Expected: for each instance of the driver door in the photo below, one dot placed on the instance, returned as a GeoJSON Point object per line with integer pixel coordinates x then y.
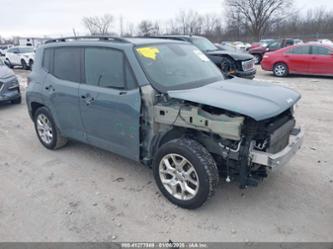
{"type": "Point", "coordinates": [110, 102]}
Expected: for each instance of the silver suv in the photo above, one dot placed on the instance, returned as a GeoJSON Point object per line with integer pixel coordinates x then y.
{"type": "Point", "coordinates": [165, 104]}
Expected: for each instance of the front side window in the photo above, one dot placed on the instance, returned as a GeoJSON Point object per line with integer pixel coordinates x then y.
{"type": "Point", "coordinates": [67, 64]}
{"type": "Point", "coordinates": [173, 66]}
{"type": "Point", "coordinates": [104, 67]}
{"type": "Point", "coordinates": [299, 50]}
{"type": "Point", "coordinates": [317, 50]}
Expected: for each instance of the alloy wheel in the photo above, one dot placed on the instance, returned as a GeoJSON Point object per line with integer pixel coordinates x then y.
{"type": "Point", "coordinates": [280, 70]}
{"type": "Point", "coordinates": [44, 129]}
{"type": "Point", "coordinates": [179, 177]}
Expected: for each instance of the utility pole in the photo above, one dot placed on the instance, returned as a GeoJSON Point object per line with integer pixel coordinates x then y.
{"type": "Point", "coordinates": [121, 23]}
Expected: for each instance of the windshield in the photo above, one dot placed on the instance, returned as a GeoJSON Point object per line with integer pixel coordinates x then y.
{"type": "Point", "coordinates": [175, 66]}
{"type": "Point", "coordinates": [26, 50]}
{"type": "Point", "coordinates": [203, 44]}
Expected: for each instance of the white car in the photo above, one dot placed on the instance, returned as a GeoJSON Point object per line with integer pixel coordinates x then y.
{"type": "Point", "coordinates": [20, 56]}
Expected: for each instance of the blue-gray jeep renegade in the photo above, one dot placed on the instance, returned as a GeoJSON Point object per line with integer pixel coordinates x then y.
{"type": "Point", "coordinates": [165, 104]}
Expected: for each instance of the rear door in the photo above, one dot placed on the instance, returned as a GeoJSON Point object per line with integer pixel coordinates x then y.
{"type": "Point", "coordinates": [61, 88]}
{"type": "Point", "coordinates": [322, 60]}
{"type": "Point", "coordinates": [110, 102]}
{"type": "Point", "coordinates": [299, 59]}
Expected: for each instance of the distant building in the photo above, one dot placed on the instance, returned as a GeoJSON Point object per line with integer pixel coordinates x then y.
{"type": "Point", "coordinates": [29, 41]}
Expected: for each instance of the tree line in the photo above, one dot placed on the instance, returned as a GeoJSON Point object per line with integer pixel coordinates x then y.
{"type": "Point", "coordinates": [242, 20]}
{"type": "Point", "coordinates": [245, 20]}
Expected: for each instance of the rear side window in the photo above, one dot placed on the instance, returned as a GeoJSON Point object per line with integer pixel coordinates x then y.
{"type": "Point", "coordinates": [48, 59]}
{"type": "Point", "coordinates": [107, 67]}
{"type": "Point", "coordinates": [67, 64]}
{"type": "Point", "coordinates": [317, 50]}
{"type": "Point", "coordinates": [299, 50]}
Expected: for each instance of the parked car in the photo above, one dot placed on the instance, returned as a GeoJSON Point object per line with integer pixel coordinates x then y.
{"type": "Point", "coordinates": [241, 45]}
{"type": "Point", "coordinates": [259, 52]}
{"type": "Point", "coordinates": [3, 49]}
{"type": "Point", "coordinates": [165, 104]}
{"type": "Point", "coordinates": [325, 41]}
{"type": "Point", "coordinates": [20, 56]}
{"type": "Point", "coordinates": [262, 43]}
{"type": "Point", "coordinates": [231, 63]}
{"type": "Point", "coordinates": [226, 47]}
{"type": "Point", "coordinates": [314, 59]}
{"type": "Point", "coordinates": [9, 85]}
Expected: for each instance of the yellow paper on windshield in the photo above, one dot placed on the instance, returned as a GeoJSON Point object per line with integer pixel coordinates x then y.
{"type": "Point", "coordinates": [148, 52]}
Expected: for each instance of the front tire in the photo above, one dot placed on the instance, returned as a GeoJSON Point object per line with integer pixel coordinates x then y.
{"type": "Point", "coordinates": [47, 132]}
{"type": "Point", "coordinates": [185, 172]}
{"type": "Point", "coordinates": [280, 70]}
{"type": "Point", "coordinates": [227, 66]}
{"type": "Point", "coordinates": [24, 65]}
{"type": "Point", "coordinates": [17, 101]}
{"type": "Point", "coordinates": [31, 63]}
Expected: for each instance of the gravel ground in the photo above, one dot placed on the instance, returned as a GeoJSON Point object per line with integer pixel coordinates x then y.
{"type": "Point", "coordinates": [81, 193]}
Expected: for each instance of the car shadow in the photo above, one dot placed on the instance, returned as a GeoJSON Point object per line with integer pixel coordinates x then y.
{"type": "Point", "coordinates": [7, 105]}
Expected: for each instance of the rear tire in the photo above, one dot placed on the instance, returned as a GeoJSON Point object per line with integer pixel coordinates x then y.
{"type": "Point", "coordinates": [7, 62]}
{"type": "Point", "coordinates": [47, 132]}
{"type": "Point", "coordinates": [280, 70]}
{"type": "Point", "coordinates": [185, 172]}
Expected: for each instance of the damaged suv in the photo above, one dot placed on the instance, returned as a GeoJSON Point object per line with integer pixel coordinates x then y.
{"type": "Point", "coordinates": [165, 104]}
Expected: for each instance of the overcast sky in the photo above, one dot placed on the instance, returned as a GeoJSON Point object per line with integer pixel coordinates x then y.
{"type": "Point", "coordinates": [59, 17]}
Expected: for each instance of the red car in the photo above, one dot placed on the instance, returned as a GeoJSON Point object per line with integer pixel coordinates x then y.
{"type": "Point", "coordinates": [310, 59]}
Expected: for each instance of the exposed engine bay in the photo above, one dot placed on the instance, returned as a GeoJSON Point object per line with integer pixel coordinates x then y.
{"type": "Point", "coordinates": [189, 116]}
{"type": "Point", "coordinates": [234, 140]}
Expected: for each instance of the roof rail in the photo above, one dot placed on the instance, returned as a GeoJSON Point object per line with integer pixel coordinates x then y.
{"type": "Point", "coordinates": [101, 38]}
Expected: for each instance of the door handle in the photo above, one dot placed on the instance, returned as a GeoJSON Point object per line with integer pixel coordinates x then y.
{"type": "Point", "coordinates": [88, 99]}
{"type": "Point", "coordinates": [49, 88]}
{"type": "Point", "coordinates": [122, 93]}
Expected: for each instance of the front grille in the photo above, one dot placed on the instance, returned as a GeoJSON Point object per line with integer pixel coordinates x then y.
{"type": "Point", "coordinates": [247, 65]}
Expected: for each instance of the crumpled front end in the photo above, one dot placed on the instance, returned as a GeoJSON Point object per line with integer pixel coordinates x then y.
{"type": "Point", "coordinates": [9, 89]}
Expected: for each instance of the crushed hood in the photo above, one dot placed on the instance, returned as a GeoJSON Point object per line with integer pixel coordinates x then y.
{"type": "Point", "coordinates": [238, 56]}
{"type": "Point", "coordinates": [5, 72]}
{"type": "Point", "coordinates": [257, 100]}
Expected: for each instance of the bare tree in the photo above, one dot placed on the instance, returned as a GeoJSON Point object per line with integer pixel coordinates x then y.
{"type": "Point", "coordinates": [99, 25]}
{"type": "Point", "coordinates": [148, 28]}
{"type": "Point", "coordinates": [189, 22]}
{"type": "Point", "coordinates": [258, 15]}
{"type": "Point", "coordinates": [129, 30]}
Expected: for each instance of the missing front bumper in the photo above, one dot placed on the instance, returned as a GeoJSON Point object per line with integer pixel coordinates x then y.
{"type": "Point", "coordinates": [282, 157]}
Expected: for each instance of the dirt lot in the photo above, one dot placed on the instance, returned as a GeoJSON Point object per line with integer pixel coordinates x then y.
{"type": "Point", "coordinates": [81, 193]}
